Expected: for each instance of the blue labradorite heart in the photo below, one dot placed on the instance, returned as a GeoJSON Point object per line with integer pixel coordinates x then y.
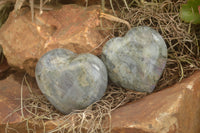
{"type": "Point", "coordinates": [136, 61]}
{"type": "Point", "coordinates": [71, 81]}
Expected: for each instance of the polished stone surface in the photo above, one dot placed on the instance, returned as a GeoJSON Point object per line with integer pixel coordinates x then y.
{"type": "Point", "coordinates": [136, 61]}
{"type": "Point", "coordinates": [71, 81]}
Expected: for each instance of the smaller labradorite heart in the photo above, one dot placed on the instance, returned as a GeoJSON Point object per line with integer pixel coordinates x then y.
{"type": "Point", "coordinates": [136, 61]}
{"type": "Point", "coordinates": [71, 81]}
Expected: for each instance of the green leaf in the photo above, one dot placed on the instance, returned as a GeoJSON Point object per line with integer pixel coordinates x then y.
{"type": "Point", "coordinates": [189, 12]}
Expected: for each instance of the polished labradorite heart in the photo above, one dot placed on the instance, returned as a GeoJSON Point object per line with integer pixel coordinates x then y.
{"type": "Point", "coordinates": [136, 61]}
{"type": "Point", "coordinates": [71, 81]}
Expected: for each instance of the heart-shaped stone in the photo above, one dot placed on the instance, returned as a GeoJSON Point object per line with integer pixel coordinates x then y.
{"type": "Point", "coordinates": [136, 61]}
{"type": "Point", "coordinates": [71, 81]}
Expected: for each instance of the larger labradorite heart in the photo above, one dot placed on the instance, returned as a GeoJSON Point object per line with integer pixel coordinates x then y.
{"type": "Point", "coordinates": [71, 81]}
{"type": "Point", "coordinates": [136, 61]}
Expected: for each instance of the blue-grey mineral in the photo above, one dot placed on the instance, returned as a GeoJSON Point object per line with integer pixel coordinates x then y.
{"type": "Point", "coordinates": [71, 81]}
{"type": "Point", "coordinates": [136, 61]}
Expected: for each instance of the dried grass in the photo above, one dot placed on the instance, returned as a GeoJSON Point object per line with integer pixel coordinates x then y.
{"type": "Point", "coordinates": [182, 39]}
{"type": "Point", "coordinates": [183, 59]}
{"type": "Point", "coordinates": [95, 118]}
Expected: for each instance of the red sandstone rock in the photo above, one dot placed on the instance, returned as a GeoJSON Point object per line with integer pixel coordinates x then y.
{"type": "Point", "coordinates": [11, 120]}
{"type": "Point", "coordinates": [172, 110]}
{"type": "Point", "coordinates": [72, 27]}
{"type": "Point", "coordinates": [10, 96]}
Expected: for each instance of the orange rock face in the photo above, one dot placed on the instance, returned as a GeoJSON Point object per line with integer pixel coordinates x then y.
{"type": "Point", "coordinates": [72, 27]}
{"type": "Point", "coordinates": [11, 90]}
{"type": "Point", "coordinates": [10, 95]}
{"type": "Point", "coordinates": [172, 110]}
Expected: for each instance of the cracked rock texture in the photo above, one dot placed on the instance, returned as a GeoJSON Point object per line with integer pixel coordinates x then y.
{"type": "Point", "coordinates": [72, 27]}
